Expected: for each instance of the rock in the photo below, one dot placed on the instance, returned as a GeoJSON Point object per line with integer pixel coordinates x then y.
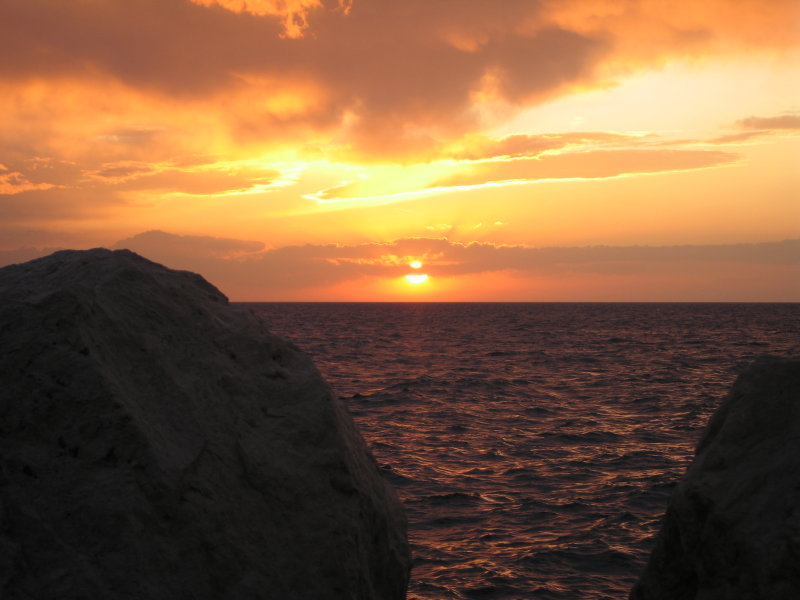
{"type": "Point", "coordinates": [157, 442]}
{"type": "Point", "coordinates": [732, 526]}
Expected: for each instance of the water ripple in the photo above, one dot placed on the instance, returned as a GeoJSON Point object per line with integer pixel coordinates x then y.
{"type": "Point", "coordinates": [534, 445]}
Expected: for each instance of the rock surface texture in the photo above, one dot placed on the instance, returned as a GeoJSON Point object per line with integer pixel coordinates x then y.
{"type": "Point", "coordinates": [157, 442]}
{"type": "Point", "coordinates": [732, 527]}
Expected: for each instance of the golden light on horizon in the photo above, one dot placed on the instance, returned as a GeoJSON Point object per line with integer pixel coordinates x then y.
{"type": "Point", "coordinates": [320, 174]}
{"type": "Point", "coordinates": [417, 279]}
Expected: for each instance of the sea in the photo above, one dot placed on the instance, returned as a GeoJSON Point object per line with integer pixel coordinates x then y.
{"type": "Point", "coordinates": [534, 446]}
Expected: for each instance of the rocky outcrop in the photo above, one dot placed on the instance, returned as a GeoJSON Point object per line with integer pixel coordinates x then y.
{"type": "Point", "coordinates": [157, 442]}
{"type": "Point", "coordinates": [732, 527]}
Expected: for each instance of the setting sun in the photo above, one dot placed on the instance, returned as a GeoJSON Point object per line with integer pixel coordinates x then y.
{"type": "Point", "coordinates": [503, 142]}
{"type": "Point", "coordinates": [523, 246]}
{"type": "Point", "coordinates": [417, 279]}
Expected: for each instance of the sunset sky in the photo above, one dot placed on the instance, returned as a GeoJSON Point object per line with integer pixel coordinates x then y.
{"type": "Point", "coordinates": [523, 150]}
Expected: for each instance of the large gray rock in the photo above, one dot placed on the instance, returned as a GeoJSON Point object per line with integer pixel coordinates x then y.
{"type": "Point", "coordinates": [732, 527]}
{"type": "Point", "coordinates": [156, 442]}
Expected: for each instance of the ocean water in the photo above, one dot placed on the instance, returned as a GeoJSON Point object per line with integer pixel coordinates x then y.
{"type": "Point", "coordinates": [533, 445]}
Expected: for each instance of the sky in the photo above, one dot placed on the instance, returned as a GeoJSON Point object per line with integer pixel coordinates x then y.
{"type": "Point", "coordinates": [419, 150]}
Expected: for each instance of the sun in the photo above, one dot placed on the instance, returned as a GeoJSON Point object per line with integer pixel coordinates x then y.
{"type": "Point", "coordinates": [417, 279]}
{"type": "Point", "coordinates": [415, 264]}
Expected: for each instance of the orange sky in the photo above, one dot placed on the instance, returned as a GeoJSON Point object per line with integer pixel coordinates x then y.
{"type": "Point", "coordinates": [311, 150]}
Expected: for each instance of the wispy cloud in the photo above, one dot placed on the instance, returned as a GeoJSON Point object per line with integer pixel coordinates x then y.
{"type": "Point", "coordinates": [791, 121]}
{"type": "Point", "coordinates": [14, 182]}
{"type": "Point", "coordinates": [207, 180]}
{"type": "Point", "coordinates": [524, 159]}
{"type": "Point", "coordinates": [587, 165]}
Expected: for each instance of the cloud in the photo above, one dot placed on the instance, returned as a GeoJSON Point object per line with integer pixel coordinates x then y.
{"type": "Point", "coordinates": [204, 180]}
{"type": "Point", "coordinates": [378, 64]}
{"type": "Point", "coordinates": [50, 190]}
{"type": "Point", "coordinates": [442, 228]}
{"type": "Point", "coordinates": [587, 165]}
{"type": "Point", "coordinates": [174, 247]}
{"type": "Point", "coordinates": [525, 161]}
{"type": "Point", "coordinates": [756, 128]}
{"type": "Point", "coordinates": [14, 182]}
{"type": "Point", "coordinates": [643, 30]}
{"type": "Point", "coordinates": [293, 13]}
{"type": "Point", "coordinates": [736, 138]}
{"type": "Point", "coordinates": [364, 75]}
{"type": "Point", "coordinates": [244, 270]}
{"type": "Point", "coordinates": [518, 146]}
{"type": "Point", "coordinates": [780, 122]}
{"type": "Point", "coordinates": [125, 102]}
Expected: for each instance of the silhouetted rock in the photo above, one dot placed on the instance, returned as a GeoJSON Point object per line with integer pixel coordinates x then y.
{"type": "Point", "coordinates": [157, 442]}
{"type": "Point", "coordinates": [732, 527]}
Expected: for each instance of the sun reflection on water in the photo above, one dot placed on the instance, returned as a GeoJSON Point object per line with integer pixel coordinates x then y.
{"type": "Point", "coordinates": [534, 446]}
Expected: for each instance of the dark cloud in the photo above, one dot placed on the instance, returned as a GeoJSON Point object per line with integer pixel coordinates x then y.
{"type": "Point", "coordinates": [240, 269]}
{"type": "Point", "coordinates": [243, 269]}
{"type": "Point", "coordinates": [172, 46]}
{"type": "Point", "coordinates": [389, 77]}
{"type": "Point", "coordinates": [382, 62]}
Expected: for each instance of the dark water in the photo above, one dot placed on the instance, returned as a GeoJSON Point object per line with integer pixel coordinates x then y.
{"type": "Point", "coordinates": [533, 445]}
